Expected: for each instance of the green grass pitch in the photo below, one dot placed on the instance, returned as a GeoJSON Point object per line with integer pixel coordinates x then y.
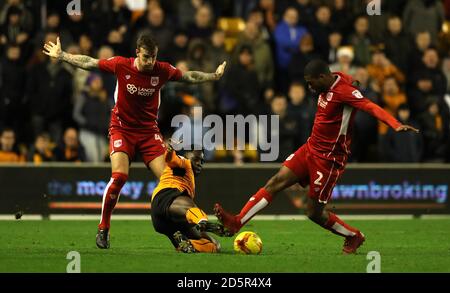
{"type": "Point", "coordinates": [288, 246]}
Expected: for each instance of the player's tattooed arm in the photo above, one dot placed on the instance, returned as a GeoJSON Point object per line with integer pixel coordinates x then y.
{"type": "Point", "coordinates": [54, 50]}
{"type": "Point", "coordinates": [82, 61]}
{"type": "Point", "coordinates": [198, 76]}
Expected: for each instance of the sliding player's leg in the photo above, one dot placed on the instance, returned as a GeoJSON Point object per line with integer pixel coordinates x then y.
{"type": "Point", "coordinates": [282, 180]}
{"type": "Point", "coordinates": [120, 168]}
{"type": "Point", "coordinates": [184, 210]}
{"type": "Point", "coordinates": [294, 170]}
{"type": "Point", "coordinates": [193, 223]}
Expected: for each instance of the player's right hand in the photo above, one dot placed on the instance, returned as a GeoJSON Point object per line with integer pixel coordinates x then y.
{"type": "Point", "coordinates": [220, 70]}
{"type": "Point", "coordinates": [53, 50]}
{"type": "Point", "coordinates": [406, 128]}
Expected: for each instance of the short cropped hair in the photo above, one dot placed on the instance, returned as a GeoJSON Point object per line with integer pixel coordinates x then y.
{"type": "Point", "coordinates": [147, 42]}
{"type": "Point", "coordinates": [316, 67]}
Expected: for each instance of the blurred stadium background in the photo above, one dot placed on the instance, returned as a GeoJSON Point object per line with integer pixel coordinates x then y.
{"type": "Point", "coordinates": [54, 121]}
{"type": "Point", "coordinates": [51, 112]}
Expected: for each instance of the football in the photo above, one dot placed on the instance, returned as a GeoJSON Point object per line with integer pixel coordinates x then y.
{"type": "Point", "coordinates": [248, 243]}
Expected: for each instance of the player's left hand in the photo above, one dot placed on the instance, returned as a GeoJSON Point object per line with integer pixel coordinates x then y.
{"type": "Point", "coordinates": [220, 70]}
{"type": "Point", "coordinates": [406, 128]}
{"type": "Point", "coordinates": [53, 50]}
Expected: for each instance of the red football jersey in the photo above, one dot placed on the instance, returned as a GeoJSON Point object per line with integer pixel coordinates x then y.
{"type": "Point", "coordinates": [332, 131]}
{"type": "Point", "coordinates": [137, 94]}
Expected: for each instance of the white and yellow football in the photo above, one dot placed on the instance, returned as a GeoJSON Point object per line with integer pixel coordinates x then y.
{"type": "Point", "coordinates": [248, 243]}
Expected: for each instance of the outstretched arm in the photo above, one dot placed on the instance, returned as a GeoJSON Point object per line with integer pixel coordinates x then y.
{"type": "Point", "coordinates": [82, 61]}
{"type": "Point", "coordinates": [358, 101]}
{"type": "Point", "coordinates": [198, 76]}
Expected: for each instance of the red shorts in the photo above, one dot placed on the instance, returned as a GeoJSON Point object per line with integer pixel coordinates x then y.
{"type": "Point", "coordinates": [321, 175]}
{"type": "Point", "coordinates": [149, 144]}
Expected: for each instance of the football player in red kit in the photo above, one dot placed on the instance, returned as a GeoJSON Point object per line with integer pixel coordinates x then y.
{"type": "Point", "coordinates": [133, 124]}
{"type": "Point", "coordinates": [321, 160]}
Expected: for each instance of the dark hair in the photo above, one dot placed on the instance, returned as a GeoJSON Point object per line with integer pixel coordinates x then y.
{"type": "Point", "coordinates": [147, 42]}
{"type": "Point", "coordinates": [316, 67]}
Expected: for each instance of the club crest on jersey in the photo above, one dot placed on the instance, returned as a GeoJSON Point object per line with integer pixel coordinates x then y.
{"type": "Point", "coordinates": [154, 80]}
{"type": "Point", "coordinates": [118, 143]}
{"type": "Point", "coordinates": [127, 76]}
{"type": "Point", "coordinates": [329, 96]}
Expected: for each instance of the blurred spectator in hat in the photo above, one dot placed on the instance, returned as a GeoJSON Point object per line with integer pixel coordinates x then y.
{"type": "Point", "coordinates": [344, 63]}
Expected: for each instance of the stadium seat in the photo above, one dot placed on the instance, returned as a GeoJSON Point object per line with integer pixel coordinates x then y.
{"type": "Point", "coordinates": [232, 26]}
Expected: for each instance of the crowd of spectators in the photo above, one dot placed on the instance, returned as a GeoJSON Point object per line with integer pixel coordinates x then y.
{"type": "Point", "coordinates": [50, 111]}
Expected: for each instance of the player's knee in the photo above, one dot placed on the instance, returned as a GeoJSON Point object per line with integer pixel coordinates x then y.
{"type": "Point", "coordinates": [118, 180]}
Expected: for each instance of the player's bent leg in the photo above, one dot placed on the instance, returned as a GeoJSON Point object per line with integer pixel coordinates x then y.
{"type": "Point", "coordinates": [183, 210]}
{"type": "Point", "coordinates": [157, 165]}
{"type": "Point", "coordinates": [204, 245]}
{"type": "Point", "coordinates": [283, 179]}
{"type": "Point", "coordinates": [120, 167]}
{"type": "Point", "coordinates": [353, 237]}
{"type": "Point", "coordinates": [183, 243]}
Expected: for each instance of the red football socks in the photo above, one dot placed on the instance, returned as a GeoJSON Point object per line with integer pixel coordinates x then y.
{"type": "Point", "coordinates": [114, 186]}
{"type": "Point", "coordinates": [339, 227]}
{"type": "Point", "coordinates": [256, 203]}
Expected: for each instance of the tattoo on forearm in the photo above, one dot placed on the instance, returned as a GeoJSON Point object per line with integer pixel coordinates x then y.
{"type": "Point", "coordinates": [81, 61]}
{"type": "Point", "coordinates": [198, 76]}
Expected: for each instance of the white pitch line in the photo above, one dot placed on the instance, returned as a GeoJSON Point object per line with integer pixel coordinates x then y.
{"type": "Point", "coordinates": [58, 217]}
{"type": "Point", "coordinates": [24, 217]}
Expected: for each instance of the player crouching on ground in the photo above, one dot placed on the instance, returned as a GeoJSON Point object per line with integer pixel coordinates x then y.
{"type": "Point", "coordinates": [173, 210]}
